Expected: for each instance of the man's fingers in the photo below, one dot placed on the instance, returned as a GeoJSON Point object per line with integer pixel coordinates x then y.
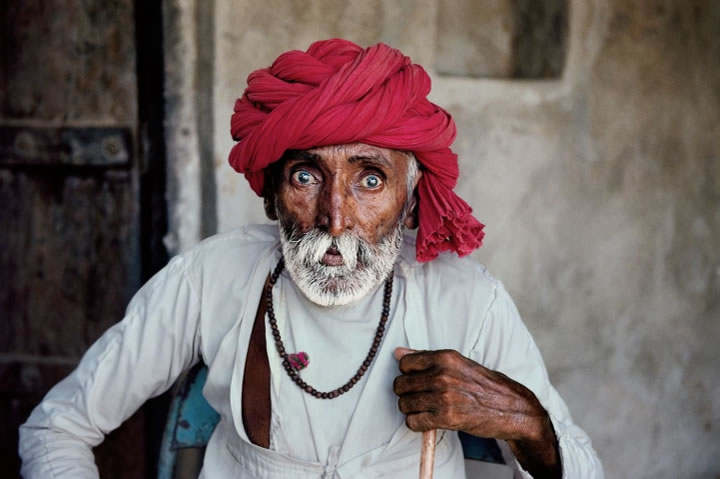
{"type": "Point", "coordinates": [402, 352]}
{"type": "Point", "coordinates": [415, 361]}
{"type": "Point", "coordinates": [415, 403]}
{"type": "Point", "coordinates": [423, 421]}
{"type": "Point", "coordinates": [411, 361]}
{"type": "Point", "coordinates": [411, 383]}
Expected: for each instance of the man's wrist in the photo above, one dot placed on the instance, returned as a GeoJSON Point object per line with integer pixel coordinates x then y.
{"type": "Point", "coordinates": [538, 429]}
{"type": "Point", "coordinates": [537, 449]}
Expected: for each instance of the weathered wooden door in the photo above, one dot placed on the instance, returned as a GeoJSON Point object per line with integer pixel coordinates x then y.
{"type": "Point", "coordinates": [81, 208]}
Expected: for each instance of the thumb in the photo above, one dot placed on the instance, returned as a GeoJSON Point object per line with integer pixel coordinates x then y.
{"type": "Point", "coordinates": [401, 352]}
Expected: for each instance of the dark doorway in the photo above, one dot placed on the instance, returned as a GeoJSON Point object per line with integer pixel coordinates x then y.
{"type": "Point", "coordinates": [82, 208]}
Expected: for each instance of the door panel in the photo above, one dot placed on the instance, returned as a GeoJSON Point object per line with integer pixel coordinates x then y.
{"type": "Point", "coordinates": [68, 61]}
{"type": "Point", "coordinates": [69, 262]}
{"type": "Point", "coordinates": [73, 236]}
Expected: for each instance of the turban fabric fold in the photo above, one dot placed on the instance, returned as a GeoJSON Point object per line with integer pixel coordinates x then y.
{"type": "Point", "coordinates": [338, 93]}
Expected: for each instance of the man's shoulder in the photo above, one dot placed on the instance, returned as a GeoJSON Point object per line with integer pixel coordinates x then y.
{"type": "Point", "coordinates": [243, 236]}
{"type": "Point", "coordinates": [233, 248]}
{"type": "Point", "coordinates": [447, 269]}
{"type": "Point", "coordinates": [450, 297]}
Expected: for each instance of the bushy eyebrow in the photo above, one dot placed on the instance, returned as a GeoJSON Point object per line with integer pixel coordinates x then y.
{"type": "Point", "coordinates": [302, 155]}
{"type": "Point", "coordinates": [378, 160]}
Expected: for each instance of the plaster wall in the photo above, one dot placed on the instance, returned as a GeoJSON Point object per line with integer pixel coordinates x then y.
{"type": "Point", "coordinates": [600, 191]}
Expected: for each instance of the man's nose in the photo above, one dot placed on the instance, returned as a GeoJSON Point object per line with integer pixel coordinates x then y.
{"type": "Point", "coordinates": [336, 207]}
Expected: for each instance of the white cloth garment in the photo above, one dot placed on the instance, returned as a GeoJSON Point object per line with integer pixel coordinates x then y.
{"type": "Point", "coordinates": [202, 305]}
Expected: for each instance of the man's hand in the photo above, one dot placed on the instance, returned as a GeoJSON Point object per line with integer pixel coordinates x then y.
{"type": "Point", "coordinates": [445, 390]}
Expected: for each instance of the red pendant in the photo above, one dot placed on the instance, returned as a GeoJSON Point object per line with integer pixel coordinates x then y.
{"type": "Point", "coordinates": [299, 360]}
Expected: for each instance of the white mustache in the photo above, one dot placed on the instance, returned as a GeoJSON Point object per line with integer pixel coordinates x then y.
{"type": "Point", "coordinates": [364, 264]}
{"type": "Point", "coordinates": [315, 243]}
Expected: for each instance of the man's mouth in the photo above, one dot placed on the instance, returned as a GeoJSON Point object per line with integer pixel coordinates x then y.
{"type": "Point", "coordinates": [332, 257]}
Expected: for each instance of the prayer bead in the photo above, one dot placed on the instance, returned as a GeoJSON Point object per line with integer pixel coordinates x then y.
{"type": "Point", "coordinates": [292, 372]}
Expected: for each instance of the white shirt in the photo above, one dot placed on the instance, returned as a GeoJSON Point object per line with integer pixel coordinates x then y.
{"type": "Point", "coordinates": [202, 306]}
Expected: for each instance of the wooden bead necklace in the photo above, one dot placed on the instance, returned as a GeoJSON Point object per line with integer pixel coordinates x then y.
{"type": "Point", "coordinates": [290, 361]}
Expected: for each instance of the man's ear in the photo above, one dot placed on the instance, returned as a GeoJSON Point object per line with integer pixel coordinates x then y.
{"type": "Point", "coordinates": [270, 210]}
{"type": "Point", "coordinates": [411, 219]}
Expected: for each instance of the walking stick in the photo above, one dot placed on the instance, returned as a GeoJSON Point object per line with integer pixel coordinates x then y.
{"type": "Point", "coordinates": [427, 454]}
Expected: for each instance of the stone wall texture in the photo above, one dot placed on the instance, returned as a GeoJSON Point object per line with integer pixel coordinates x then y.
{"type": "Point", "coordinates": [600, 190]}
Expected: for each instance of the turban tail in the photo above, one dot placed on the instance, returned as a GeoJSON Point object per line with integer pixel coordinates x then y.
{"type": "Point", "coordinates": [337, 93]}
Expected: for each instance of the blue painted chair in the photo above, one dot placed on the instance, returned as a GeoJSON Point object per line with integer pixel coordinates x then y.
{"type": "Point", "coordinates": [191, 421]}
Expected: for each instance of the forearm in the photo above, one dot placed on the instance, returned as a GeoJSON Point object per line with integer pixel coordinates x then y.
{"type": "Point", "coordinates": [507, 346]}
{"type": "Point", "coordinates": [57, 439]}
{"type": "Point", "coordinates": [47, 453]}
{"type": "Point", "coordinates": [539, 455]}
{"type": "Point", "coordinates": [134, 360]}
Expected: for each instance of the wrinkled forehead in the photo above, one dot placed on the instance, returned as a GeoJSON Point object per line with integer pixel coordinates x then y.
{"type": "Point", "coordinates": [353, 149]}
{"type": "Point", "coordinates": [395, 159]}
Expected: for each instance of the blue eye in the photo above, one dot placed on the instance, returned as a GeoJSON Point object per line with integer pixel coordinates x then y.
{"type": "Point", "coordinates": [303, 177]}
{"type": "Point", "coordinates": [371, 181]}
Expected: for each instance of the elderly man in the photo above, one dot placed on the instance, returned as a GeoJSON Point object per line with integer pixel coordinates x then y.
{"type": "Point", "coordinates": [333, 339]}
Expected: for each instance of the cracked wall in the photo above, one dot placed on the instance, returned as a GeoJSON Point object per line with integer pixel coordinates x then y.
{"type": "Point", "coordinates": [600, 190]}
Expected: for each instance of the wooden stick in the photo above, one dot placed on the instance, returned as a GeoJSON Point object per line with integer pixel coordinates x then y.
{"type": "Point", "coordinates": [427, 454]}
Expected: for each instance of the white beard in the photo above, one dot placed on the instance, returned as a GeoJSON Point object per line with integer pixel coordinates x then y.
{"type": "Point", "coordinates": [364, 265]}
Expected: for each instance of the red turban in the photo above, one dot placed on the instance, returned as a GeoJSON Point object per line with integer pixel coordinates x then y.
{"type": "Point", "coordinates": [338, 93]}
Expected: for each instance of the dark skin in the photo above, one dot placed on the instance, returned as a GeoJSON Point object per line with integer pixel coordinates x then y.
{"type": "Point", "coordinates": [363, 189]}
{"type": "Point", "coordinates": [342, 188]}
{"type": "Point", "coordinates": [445, 390]}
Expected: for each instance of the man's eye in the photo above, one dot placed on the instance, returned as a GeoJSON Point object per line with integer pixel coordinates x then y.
{"type": "Point", "coordinates": [303, 177]}
{"type": "Point", "coordinates": [371, 181]}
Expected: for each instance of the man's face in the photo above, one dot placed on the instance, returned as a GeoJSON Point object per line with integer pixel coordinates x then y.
{"type": "Point", "coordinates": [341, 211]}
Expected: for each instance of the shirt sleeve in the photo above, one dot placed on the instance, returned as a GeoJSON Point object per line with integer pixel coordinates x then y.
{"type": "Point", "coordinates": [505, 345]}
{"type": "Point", "coordinates": [136, 359]}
